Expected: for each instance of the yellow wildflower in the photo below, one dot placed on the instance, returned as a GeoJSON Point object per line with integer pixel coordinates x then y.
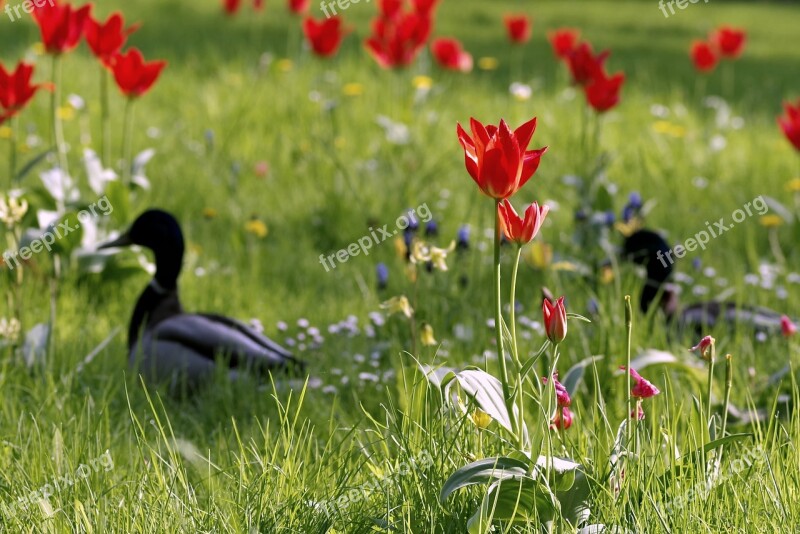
{"type": "Point", "coordinates": [488, 63]}
{"type": "Point", "coordinates": [423, 253]}
{"type": "Point", "coordinates": [481, 419]}
{"type": "Point", "coordinates": [398, 305]}
{"type": "Point", "coordinates": [5, 132]}
{"type": "Point", "coordinates": [284, 65]}
{"type": "Point", "coordinates": [66, 113]}
{"type": "Point", "coordinates": [793, 186]}
{"type": "Point", "coordinates": [771, 221]}
{"type": "Point", "coordinates": [422, 82]}
{"type": "Point", "coordinates": [257, 228]}
{"type": "Point", "coordinates": [12, 211]}
{"type": "Point", "coordinates": [353, 89]}
{"type": "Point", "coordinates": [209, 213]}
{"type": "Point", "coordinates": [426, 335]}
{"type": "Point", "coordinates": [539, 255]}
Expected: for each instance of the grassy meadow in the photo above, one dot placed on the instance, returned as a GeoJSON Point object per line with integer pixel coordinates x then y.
{"type": "Point", "coordinates": [248, 127]}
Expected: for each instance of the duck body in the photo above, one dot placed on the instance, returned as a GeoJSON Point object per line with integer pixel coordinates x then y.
{"type": "Point", "coordinates": [184, 350]}
{"type": "Point", "coordinates": [648, 248]}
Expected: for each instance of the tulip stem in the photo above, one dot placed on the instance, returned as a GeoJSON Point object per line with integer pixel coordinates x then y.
{"type": "Point", "coordinates": [629, 331]}
{"type": "Point", "coordinates": [498, 329]}
{"type": "Point", "coordinates": [12, 153]}
{"type": "Point", "coordinates": [104, 118]}
{"type": "Point", "coordinates": [514, 352]}
{"type": "Point", "coordinates": [127, 142]}
{"type": "Point", "coordinates": [58, 130]}
{"type": "Point", "coordinates": [709, 383]}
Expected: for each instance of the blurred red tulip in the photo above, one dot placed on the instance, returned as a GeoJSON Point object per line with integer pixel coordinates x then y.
{"type": "Point", "coordinates": [425, 7]}
{"type": "Point", "coordinates": [602, 92]}
{"type": "Point", "coordinates": [562, 395]}
{"type": "Point", "coordinates": [324, 35]}
{"type": "Point", "coordinates": [450, 55]}
{"type": "Point", "coordinates": [788, 328]}
{"type": "Point", "coordinates": [704, 346]}
{"type": "Point", "coordinates": [642, 389]}
{"type": "Point", "coordinates": [563, 41]}
{"type": "Point", "coordinates": [135, 77]}
{"type": "Point", "coordinates": [232, 6]}
{"type": "Point", "coordinates": [397, 37]}
{"type": "Point", "coordinates": [61, 26]}
{"type": "Point", "coordinates": [390, 8]}
{"type": "Point", "coordinates": [729, 41]}
{"type": "Point", "coordinates": [16, 89]}
{"type": "Point", "coordinates": [584, 65]}
{"type": "Point", "coordinates": [299, 7]}
{"type": "Point", "coordinates": [518, 28]}
{"type": "Point", "coordinates": [107, 39]}
{"type": "Point", "coordinates": [790, 123]}
{"type": "Point", "coordinates": [703, 56]}
{"type": "Point", "coordinates": [555, 320]}
{"type": "Point", "coordinates": [497, 158]}
{"type": "Point", "coordinates": [521, 230]}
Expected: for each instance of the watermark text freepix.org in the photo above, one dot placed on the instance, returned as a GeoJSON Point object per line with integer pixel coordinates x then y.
{"type": "Point", "coordinates": [376, 236]}
{"type": "Point", "coordinates": [702, 238]}
{"type": "Point", "coordinates": [325, 6]}
{"type": "Point", "coordinates": [59, 231]}
{"type": "Point", "coordinates": [27, 6]}
{"type": "Point", "coordinates": [57, 484]}
{"type": "Point", "coordinates": [682, 4]}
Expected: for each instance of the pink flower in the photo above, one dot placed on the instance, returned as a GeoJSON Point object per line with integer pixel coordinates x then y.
{"type": "Point", "coordinates": [638, 412]}
{"type": "Point", "coordinates": [562, 395]}
{"type": "Point", "coordinates": [704, 346]}
{"type": "Point", "coordinates": [788, 328]}
{"type": "Point", "coordinates": [642, 389]}
{"type": "Point", "coordinates": [562, 420]}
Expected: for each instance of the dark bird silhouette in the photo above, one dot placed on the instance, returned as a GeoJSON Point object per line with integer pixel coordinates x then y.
{"type": "Point", "coordinates": [170, 346]}
{"type": "Point", "coordinates": [649, 249]}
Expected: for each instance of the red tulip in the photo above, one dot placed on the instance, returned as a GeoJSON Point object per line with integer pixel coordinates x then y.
{"type": "Point", "coordinates": [518, 28]}
{"type": "Point", "coordinates": [563, 41]}
{"type": "Point", "coordinates": [450, 55]}
{"type": "Point", "coordinates": [232, 6]}
{"type": "Point", "coordinates": [425, 7]}
{"type": "Point", "coordinates": [517, 229]}
{"type": "Point", "coordinates": [602, 92]}
{"type": "Point", "coordinates": [497, 158]}
{"type": "Point", "coordinates": [555, 320]}
{"type": "Point", "coordinates": [788, 328]}
{"type": "Point", "coordinates": [107, 39]}
{"type": "Point", "coordinates": [729, 41]}
{"type": "Point", "coordinates": [299, 7]}
{"type": "Point", "coordinates": [790, 123]}
{"type": "Point", "coordinates": [390, 8]}
{"type": "Point", "coordinates": [562, 420]}
{"type": "Point", "coordinates": [135, 77]}
{"type": "Point", "coordinates": [16, 89]}
{"type": "Point", "coordinates": [642, 389]}
{"type": "Point", "coordinates": [703, 56]}
{"type": "Point", "coordinates": [704, 346]}
{"type": "Point", "coordinates": [584, 65]}
{"type": "Point", "coordinates": [638, 412]}
{"type": "Point", "coordinates": [61, 26]}
{"type": "Point", "coordinates": [562, 395]}
{"type": "Point", "coordinates": [397, 37]}
{"type": "Point", "coordinates": [324, 35]}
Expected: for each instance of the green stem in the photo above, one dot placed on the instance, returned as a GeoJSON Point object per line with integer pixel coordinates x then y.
{"type": "Point", "coordinates": [104, 117]}
{"type": "Point", "coordinates": [12, 155]}
{"type": "Point", "coordinates": [728, 386]}
{"type": "Point", "coordinates": [514, 352]}
{"type": "Point", "coordinates": [127, 144]}
{"type": "Point", "coordinates": [57, 137]}
{"type": "Point", "coordinates": [498, 328]}
{"type": "Point", "coordinates": [629, 331]}
{"type": "Point", "coordinates": [550, 394]}
{"type": "Point", "coordinates": [709, 383]}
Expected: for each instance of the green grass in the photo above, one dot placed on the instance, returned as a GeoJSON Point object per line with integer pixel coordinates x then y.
{"type": "Point", "coordinates": [250, 458]}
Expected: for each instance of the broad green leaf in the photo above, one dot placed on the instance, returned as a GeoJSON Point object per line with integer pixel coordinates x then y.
{"type": "Point", "coordinates": [487, 391]}
{"type": "Point", "coordinates": [438, 376]}
{"type": "Point", "coordinates": [528, 365]}
{"type": "Point", "coordinates": [513, 499]}
{"type": "Point", "coordinates": [482, 471]}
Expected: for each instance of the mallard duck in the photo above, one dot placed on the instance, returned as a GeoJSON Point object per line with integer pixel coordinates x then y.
{"type": "Point", "coordinates": [649, 249]}
{"type": "Point", "coordinates": [167, 345]}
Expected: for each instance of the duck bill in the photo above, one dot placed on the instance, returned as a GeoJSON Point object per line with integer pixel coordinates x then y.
{"type": "Point", "coordinates": [122, 241]}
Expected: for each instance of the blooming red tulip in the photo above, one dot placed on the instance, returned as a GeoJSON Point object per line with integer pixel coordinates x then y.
{"type": "Point", "coordinates": [602, 92]}
{"type": "Point", "coordinates": [325, 35]}
{"type": "Point", "coordinates": [703, 56]}
{"type": "Point", "coordinates": [790, 123]}
{"type": "Point", "coordinates": [16, 89]}
{"type": "Point", "coordinates": [518, 229]}
{"type": "Point", "coordinates": [562, 420]}
{"type": "Point", "coordinates": [562, 395]}
{"type": "Point", "coordinates": [298, 7]}
{"type": "Point", "coordinates": [563, 41]}
{"type": "Point", "coordinates": [555, 320]}
{"type": "Point", "coordinates": [642, 389]}
{"type": "Point", "coordinates": [450, 55]}
{"type": "Point", "coordinates": [390, 8]}
{"type": "Point", "coordinates": [232, 6]}
{"type": "Point", "coordinates": [729, 41]}
{"type": "Point", "coordinates": [788, 328]}
{"type": "Point", "coordinates": [425, 7]}
{"type": "Point", "coordinates": [135, 77]}
{"type": "Point", "coordinates": [397, 37]}
{"type": "Point", "coordinates": [704, 347]}
{"type": "Point", "coordinates": [518, 28]}
{"type": "Point", "coordinates": [107, 39]}
{"type": "Point", "coordinates": [61, 26]}
{"type": "Point", "coordinates": [584, 65]}
{"type": "Point", "coordinates": [497, 158]}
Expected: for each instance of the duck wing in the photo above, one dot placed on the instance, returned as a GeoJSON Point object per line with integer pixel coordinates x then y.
{"type": "Point", "coordinates": [211, 335]}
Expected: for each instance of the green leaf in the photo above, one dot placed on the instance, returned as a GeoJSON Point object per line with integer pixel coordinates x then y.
{"type": "Point", "coordinates": [573, 378]}
{"type": "Point", "coordinates": [67, 232]}
{"type": "Point", "coordinates": [28, 167]}
{"type": "Point", "coordinates": [516, 500]}
{"type": "Point", "coordinates": [487, 391]}
{"type": "Point", "coordinates": [578, 317]}
{"type": "Point", "coordinates": [438, 377]}
{"type": "Point", "coordinates": [528, 365]}
{"type": "Point", "coordinates": [482, 471]}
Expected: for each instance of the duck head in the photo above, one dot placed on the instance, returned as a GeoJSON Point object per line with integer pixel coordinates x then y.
{"type": "Point", "coordinates": [160, 232]}
{"type": "Point", "coordinates": [649, 249]}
